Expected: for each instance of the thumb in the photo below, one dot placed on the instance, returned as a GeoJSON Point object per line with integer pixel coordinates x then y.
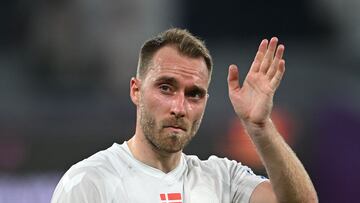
{"type": "Point", "coordinates": [233, 78]}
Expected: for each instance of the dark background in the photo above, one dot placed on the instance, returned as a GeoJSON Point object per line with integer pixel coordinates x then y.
{"type": "Point", "coordinates": [65, 68]}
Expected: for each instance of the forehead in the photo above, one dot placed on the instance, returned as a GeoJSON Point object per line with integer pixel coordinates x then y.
{"type": "Point", "coordinates": [167, 61]}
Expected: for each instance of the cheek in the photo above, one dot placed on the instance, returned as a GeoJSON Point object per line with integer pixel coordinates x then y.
{"type": "Point", "coordinates": [196, 110]}
{"type": "Point", "coordinates": [156, 102]}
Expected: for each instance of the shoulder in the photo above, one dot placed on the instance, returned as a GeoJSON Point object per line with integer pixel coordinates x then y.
{"type": "Point", "coordinates": [97, 164]}
{"type": "Point", "coordinates": [224, 177]}
{"type": "Point", "coordinates": [94, 175]}
{"type": "Point", "coordinates": [80, 181]}
{"type": "Point", "coordinates": [112, 161]}
{"type": "Point", "coordinates": [216, 163]}
{"type": "Point", "coordinates": [229, 171]}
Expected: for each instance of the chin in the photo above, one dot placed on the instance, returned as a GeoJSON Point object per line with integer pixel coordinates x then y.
{"type": "Point", "coordinates": [173, 147]}
{"type": "Point", "coordinates": [173, 144]}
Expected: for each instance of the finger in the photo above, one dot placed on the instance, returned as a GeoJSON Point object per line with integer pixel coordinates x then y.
{"type": "Point", "coordinates": [233, 78]}
{"type": "Point", "coordinates": [275, 81]}
{"type": "Point", "coordinates": [275, 64]}
{"type": "Point", "coordinates": [269, 55]}
{"type": "Point", "coordinates": [255, 66]}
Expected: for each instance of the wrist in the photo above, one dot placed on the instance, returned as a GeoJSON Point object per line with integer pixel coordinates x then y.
{"type": "Point", "coordinates": [259, 129]}
{"type": "Point", "coordinates": [263, 135]}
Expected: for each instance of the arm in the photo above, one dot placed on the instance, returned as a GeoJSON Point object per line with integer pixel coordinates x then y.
{"type": "Point", "coordinates": [253, 104]}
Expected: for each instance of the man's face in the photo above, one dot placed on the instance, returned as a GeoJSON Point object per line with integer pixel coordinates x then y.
{"type": "Point", "coordinates": [172, 100]}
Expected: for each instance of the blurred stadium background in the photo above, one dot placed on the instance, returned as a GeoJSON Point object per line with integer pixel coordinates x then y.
{"type": "Point", "coordinates": [65, 68]}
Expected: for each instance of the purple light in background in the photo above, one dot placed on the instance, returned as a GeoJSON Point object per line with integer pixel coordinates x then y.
{"type": "Point", "coordinates": [27, 189]}
{"type": "Point", "coordinates": [337, 163]}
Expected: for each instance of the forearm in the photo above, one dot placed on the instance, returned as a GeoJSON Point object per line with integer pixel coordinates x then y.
{"type": "Point", "coordinates": [288, 177]}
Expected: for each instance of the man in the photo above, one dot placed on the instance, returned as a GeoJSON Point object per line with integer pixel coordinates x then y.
{"type": "Point", "coordinates": [170, 93]}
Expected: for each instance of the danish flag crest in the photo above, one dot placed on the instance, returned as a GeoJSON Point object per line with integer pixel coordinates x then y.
{"type": "Point", "coordinates": [170, 198]}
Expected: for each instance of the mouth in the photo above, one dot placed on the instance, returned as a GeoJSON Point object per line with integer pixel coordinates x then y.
{"type": "Point", "coordinates": [174, 127]}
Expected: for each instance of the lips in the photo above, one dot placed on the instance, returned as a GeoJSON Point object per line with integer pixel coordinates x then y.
{"type": "Point", "coordinates": [176, 124]}
{"type": "Point", "coordinates": [176, 127]}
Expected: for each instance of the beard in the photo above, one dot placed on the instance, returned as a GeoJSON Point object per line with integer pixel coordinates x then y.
{"type": "Point", "coordinates": [159, 136]}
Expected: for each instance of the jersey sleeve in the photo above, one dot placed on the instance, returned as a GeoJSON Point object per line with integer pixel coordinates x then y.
{"type": "Point", "coordinates": [243, 181]}
{"type": "Point", "coordinates": [79, 188]}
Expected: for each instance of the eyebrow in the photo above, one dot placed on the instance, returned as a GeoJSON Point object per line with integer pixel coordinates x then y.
{"type": "Point", "coordinates": [167, 79]}
{"type": "Point", "coordinates": [173, 81]}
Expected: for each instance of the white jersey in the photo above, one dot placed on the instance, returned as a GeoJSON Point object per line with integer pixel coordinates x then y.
{"type": "Point", "coordinates": [115, 176]}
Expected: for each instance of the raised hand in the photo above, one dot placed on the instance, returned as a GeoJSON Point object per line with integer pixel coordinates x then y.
{"type": "Point", "coordinates": [253, 100]}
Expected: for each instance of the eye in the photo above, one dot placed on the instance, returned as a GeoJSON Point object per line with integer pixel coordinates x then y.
{"type": "Point", "coordinates": [165, 88]}
{"type": "Point", "coordinates": [196, 94]}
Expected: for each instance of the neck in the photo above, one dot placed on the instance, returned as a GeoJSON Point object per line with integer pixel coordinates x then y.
{"type": "Point", "coordinates": [145, 152]}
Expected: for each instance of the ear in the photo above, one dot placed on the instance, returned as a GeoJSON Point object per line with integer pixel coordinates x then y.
{"type": "Point", "coordinates": [135, 90]}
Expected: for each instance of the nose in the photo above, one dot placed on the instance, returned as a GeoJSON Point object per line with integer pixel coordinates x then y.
{"type": "Point", "coordinates": [178, 106]}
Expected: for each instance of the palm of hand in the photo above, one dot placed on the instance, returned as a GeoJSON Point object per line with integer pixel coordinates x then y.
{"type": "Point", "coordinates": [254, 100]}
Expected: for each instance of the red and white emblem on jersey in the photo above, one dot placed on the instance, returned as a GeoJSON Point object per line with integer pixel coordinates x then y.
{"type": "Point", "coordinates": [171, 198]}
